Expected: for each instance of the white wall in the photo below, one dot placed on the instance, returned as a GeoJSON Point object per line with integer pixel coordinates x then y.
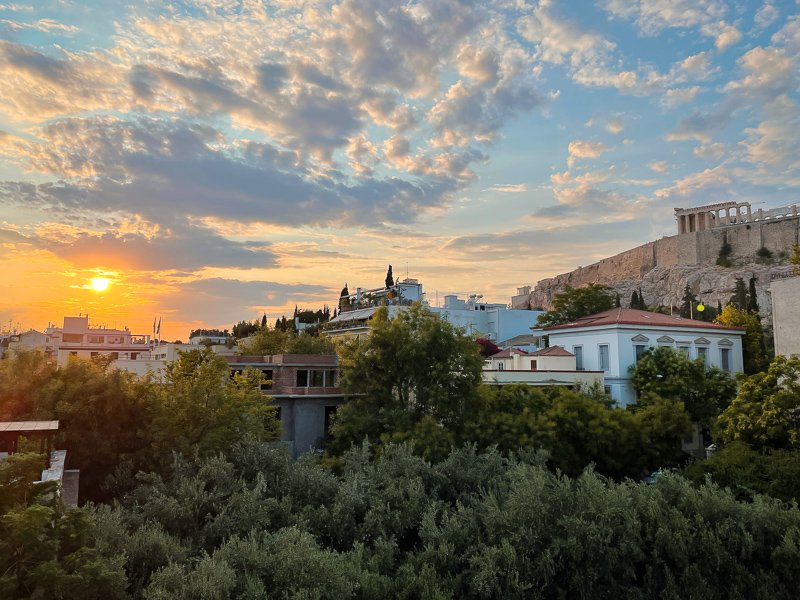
{"type": "Point", "coordinates": [622, 352]}
{"type": "Point", "coordinates": [786, 315]}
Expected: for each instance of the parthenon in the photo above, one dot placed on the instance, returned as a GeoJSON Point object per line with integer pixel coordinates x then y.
{"type": "Point", "coordinates": [700, 218]}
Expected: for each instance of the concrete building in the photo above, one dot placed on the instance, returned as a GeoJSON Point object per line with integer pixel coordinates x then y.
{"type": "Point", "coordinates": [305, 388]}
{"type": "Point", "coordinates": [483, 319]}
{"type": "Point", "coordinates": [545, 367]}
{"type": "Point", "coordinates": [786, 315]}
{"type": "Point", "coordinates": [77, 339]}
{"type": "Point", "coordinates": [612, 341]}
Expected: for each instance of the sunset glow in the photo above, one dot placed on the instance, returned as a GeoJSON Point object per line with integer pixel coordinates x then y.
{"type": "Point", "coordinates": [100, 284]}
{"type": "Point", "coordinates": [240, 158]}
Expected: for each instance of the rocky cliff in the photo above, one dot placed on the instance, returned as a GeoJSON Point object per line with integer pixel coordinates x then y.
{"type": "Point", "coordinates": [664, 286]}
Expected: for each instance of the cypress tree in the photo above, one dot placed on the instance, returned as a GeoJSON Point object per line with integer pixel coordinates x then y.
{"type": "Point", "coordinates": [642, 305]}
{"type": "Point", "coordinates": [389, 278]}
{"type": "Point", "coordinates": [739, 298]}
{"type": "Point", "coordinates": [634, 300]}
{"type": "Point", "coordinates": [688, 302]}
{"type": "Point", "coordinates": [264, 321]}
{"type": "Point", "coordinates": [752, 301]}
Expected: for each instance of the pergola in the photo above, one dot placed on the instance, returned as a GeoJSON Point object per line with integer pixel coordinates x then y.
{"type": "Point", "coordinates": [11, 431]}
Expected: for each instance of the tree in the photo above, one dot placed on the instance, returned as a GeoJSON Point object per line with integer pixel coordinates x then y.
{"type": "Point", "coordinates": [739, 298]}
{"type": "Point", "coordinates": [244, 329]}
{"type": "Point", "coordinates": [723, 260]}
{"type": "Point", "coordinates": [634, 300]}
{"type": "Point", "coordinates": [766, 411]}
{"type": "Point", "coordinates": [202, 408]}
{"type": "Point", "coordinates": [617, 301]}
{"type": "Point", "coordinates": [752, 302]}
{"type": "Point", "coordinates": [344, 298]}
{"type": "Point", "coordinates": [45, 550]}
{"type": "Point", "coordinates": [21, 376]}
{"type": "Point", "coordinates": [575, 303]}
{"type": "Point", "coordinates": [753, 351]}
{"type": "Point", "coordinates": [663, 373]}
{"type": "Point", "coordinates": [795, 258]}
{"type": "Point", "coordinates": [264, 321]}
{"type": "Point", "coordinates": [267, 342]}
{"type": "Point", "coordinates": [689, 300]}
{"type": "Point", "coordinates": [389, 278]}
{"type": "Point", "coordinates": [408, 367]}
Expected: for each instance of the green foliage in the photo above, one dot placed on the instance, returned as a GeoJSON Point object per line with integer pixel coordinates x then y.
{"type": "Point", "coordinates": [747, 471]}
{"type": "Point", "coordinates": [389, 281]}
{"type": "Point", "coordinates": [688, 302]}
{"type": "Point", "coordinates": [740, 298]}
{"type": "Point", "coordinates": [795, 258]}
{"type": "Point", "coordinates": [275, 341]}
{"type": "Point", "coordinates": [725, 251]}
{"type": "Point", "coordinates": [45, 551]}
{"type": "Point", "coordinates": [201, 408]}
{"type": "Point", "coordinates": [764, 255]}
{"type": "Point", "coordinates": [575, 303]}
{"type": "Point", "coordinates": [21, 376]}
{"type": "Point", "coordinates": [753, 351]}
{"type": "Point", "coordinates": [752, 301]}
{"type": "Point", "coordinates": [471, 526]}
{"type": "Point", "coordinates": [766, 411]}
{"type": "Point", "coordinates": [244, 329]}
{"type": "Point", "coordinates": [663, 373]}
{"type": "Point", "coordinates": [408, 367]}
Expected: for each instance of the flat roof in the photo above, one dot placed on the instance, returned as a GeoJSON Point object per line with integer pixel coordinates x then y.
{"type": "Point", "coordinates": [19, 426]}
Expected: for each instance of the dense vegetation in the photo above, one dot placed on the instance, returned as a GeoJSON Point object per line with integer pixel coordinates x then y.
{"type": "Point", "coordinates": [434, 486]}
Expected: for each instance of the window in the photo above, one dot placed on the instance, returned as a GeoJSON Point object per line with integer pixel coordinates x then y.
{"type": "Point", "coordinates": [302, 378]}
{"type": "Point", "coordinates": [96, 339]}
{"type": "Point", "coordinates": [603, 357]}
{"type": "Point", "coordinates": [266, 376]}
{"type": "Point", "coordinates": [278, 413]}
{"type": "Point", "coordinates": [317, 379]}
{"type": "Point", "coordinates": [684, 350]}
{"type": "Point", "coordinates": [74, 353]}
{"type": "Point", "coordinates": [533, 365]}
{"type": "Point", "coordinates": [640, 349]}
{"type": "Point", "coordinates": [501, 366]}
{"type": "Point", "coordinates": [725, 359]}
{"type": "Point", "coordinates": [702, 352]}
{"type": "Point", "coordinates": [607, 389]}
{"type": "Point", "coordinates": [115, 356]}
{"type": "Point", "coordinates": [73, 338]}
{"type": "Point", "coordinates": [93, 354]}
{"type": "Point", "coordinates": [578, 352]}
{"type": "Point", "coordinates": [134, 355]}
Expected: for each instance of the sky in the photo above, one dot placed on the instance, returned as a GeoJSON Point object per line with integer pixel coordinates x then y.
{"type": "Point", "coordinates": [219, 159]}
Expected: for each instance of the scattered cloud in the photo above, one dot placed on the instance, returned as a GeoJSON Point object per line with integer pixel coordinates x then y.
{"type": "Point", "coordinates": [508, 188]}
{"type": "Point", "coordinates": [659, 166]}
{"type": "Point", "coordinates": [584, 149]}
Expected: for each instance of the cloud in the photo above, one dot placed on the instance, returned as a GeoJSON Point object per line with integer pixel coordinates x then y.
{"type": "Point", "coordinates": [715, 150]}
{"type": "Point", "coordinates": [654, 16]}
{"type": "Point", "coordinates": [764, 17]}
{"type": "Point", "coordinates": [508, 188]}
{"type": "Point", "coordinates": [706, 181]}
{"type": "Point", "coordinates": [43, 25]}
{"type": "Point", "coordinates": [584, 149]}
{"type": "Point", "coordinates": [659, 166]}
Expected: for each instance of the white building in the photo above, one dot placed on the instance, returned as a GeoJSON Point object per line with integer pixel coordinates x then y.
{"type": "Point", "coordinates": [612, 341]}
{"type": "Point", "coordinates": [77, 339]}
{"type": "Point", "coordinates": [491, 321]}
{"type": "Point", "coordinates": [548, 366]}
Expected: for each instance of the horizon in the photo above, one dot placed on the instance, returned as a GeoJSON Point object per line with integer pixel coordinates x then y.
{"type": "Point", "coordinates": [207, 163]}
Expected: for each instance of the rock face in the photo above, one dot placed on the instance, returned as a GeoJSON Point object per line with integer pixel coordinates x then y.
{"type": "Point", "coordinates": [664, 286]}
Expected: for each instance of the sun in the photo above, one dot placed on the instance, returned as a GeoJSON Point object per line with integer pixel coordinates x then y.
{"type": "Point", "coordinates": [100, 284]}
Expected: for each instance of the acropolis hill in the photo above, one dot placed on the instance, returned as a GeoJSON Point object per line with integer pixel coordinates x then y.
{"type": "Point", "coordinates": [760, 244]}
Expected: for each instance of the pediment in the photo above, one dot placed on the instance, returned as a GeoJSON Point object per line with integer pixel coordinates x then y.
{"type": "Point", "coordinates": [702, 341]}
{"type": "Point", "coordinates": [665, 339]}
{"type": "Point", "coordinates": [725, 342]}
{"type": "Point", "coordinates": [640, 338]}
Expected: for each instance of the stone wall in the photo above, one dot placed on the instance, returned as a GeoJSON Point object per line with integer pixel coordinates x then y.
{"type": "Point", "coordinates": [663, 268]}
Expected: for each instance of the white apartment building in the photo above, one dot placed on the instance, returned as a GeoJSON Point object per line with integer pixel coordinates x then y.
{"type": "Point", "coordinates": [612, 341]}
{"type": "Point", "coordinates": [548, 366]}
{"type": "Point", "coordinates": [77, 339]}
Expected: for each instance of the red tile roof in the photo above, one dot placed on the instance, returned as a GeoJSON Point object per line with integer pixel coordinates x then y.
{"type": "Point", "coordinates": [552, 351]}
{"type": "Point", "coordinates": [630, 316]}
